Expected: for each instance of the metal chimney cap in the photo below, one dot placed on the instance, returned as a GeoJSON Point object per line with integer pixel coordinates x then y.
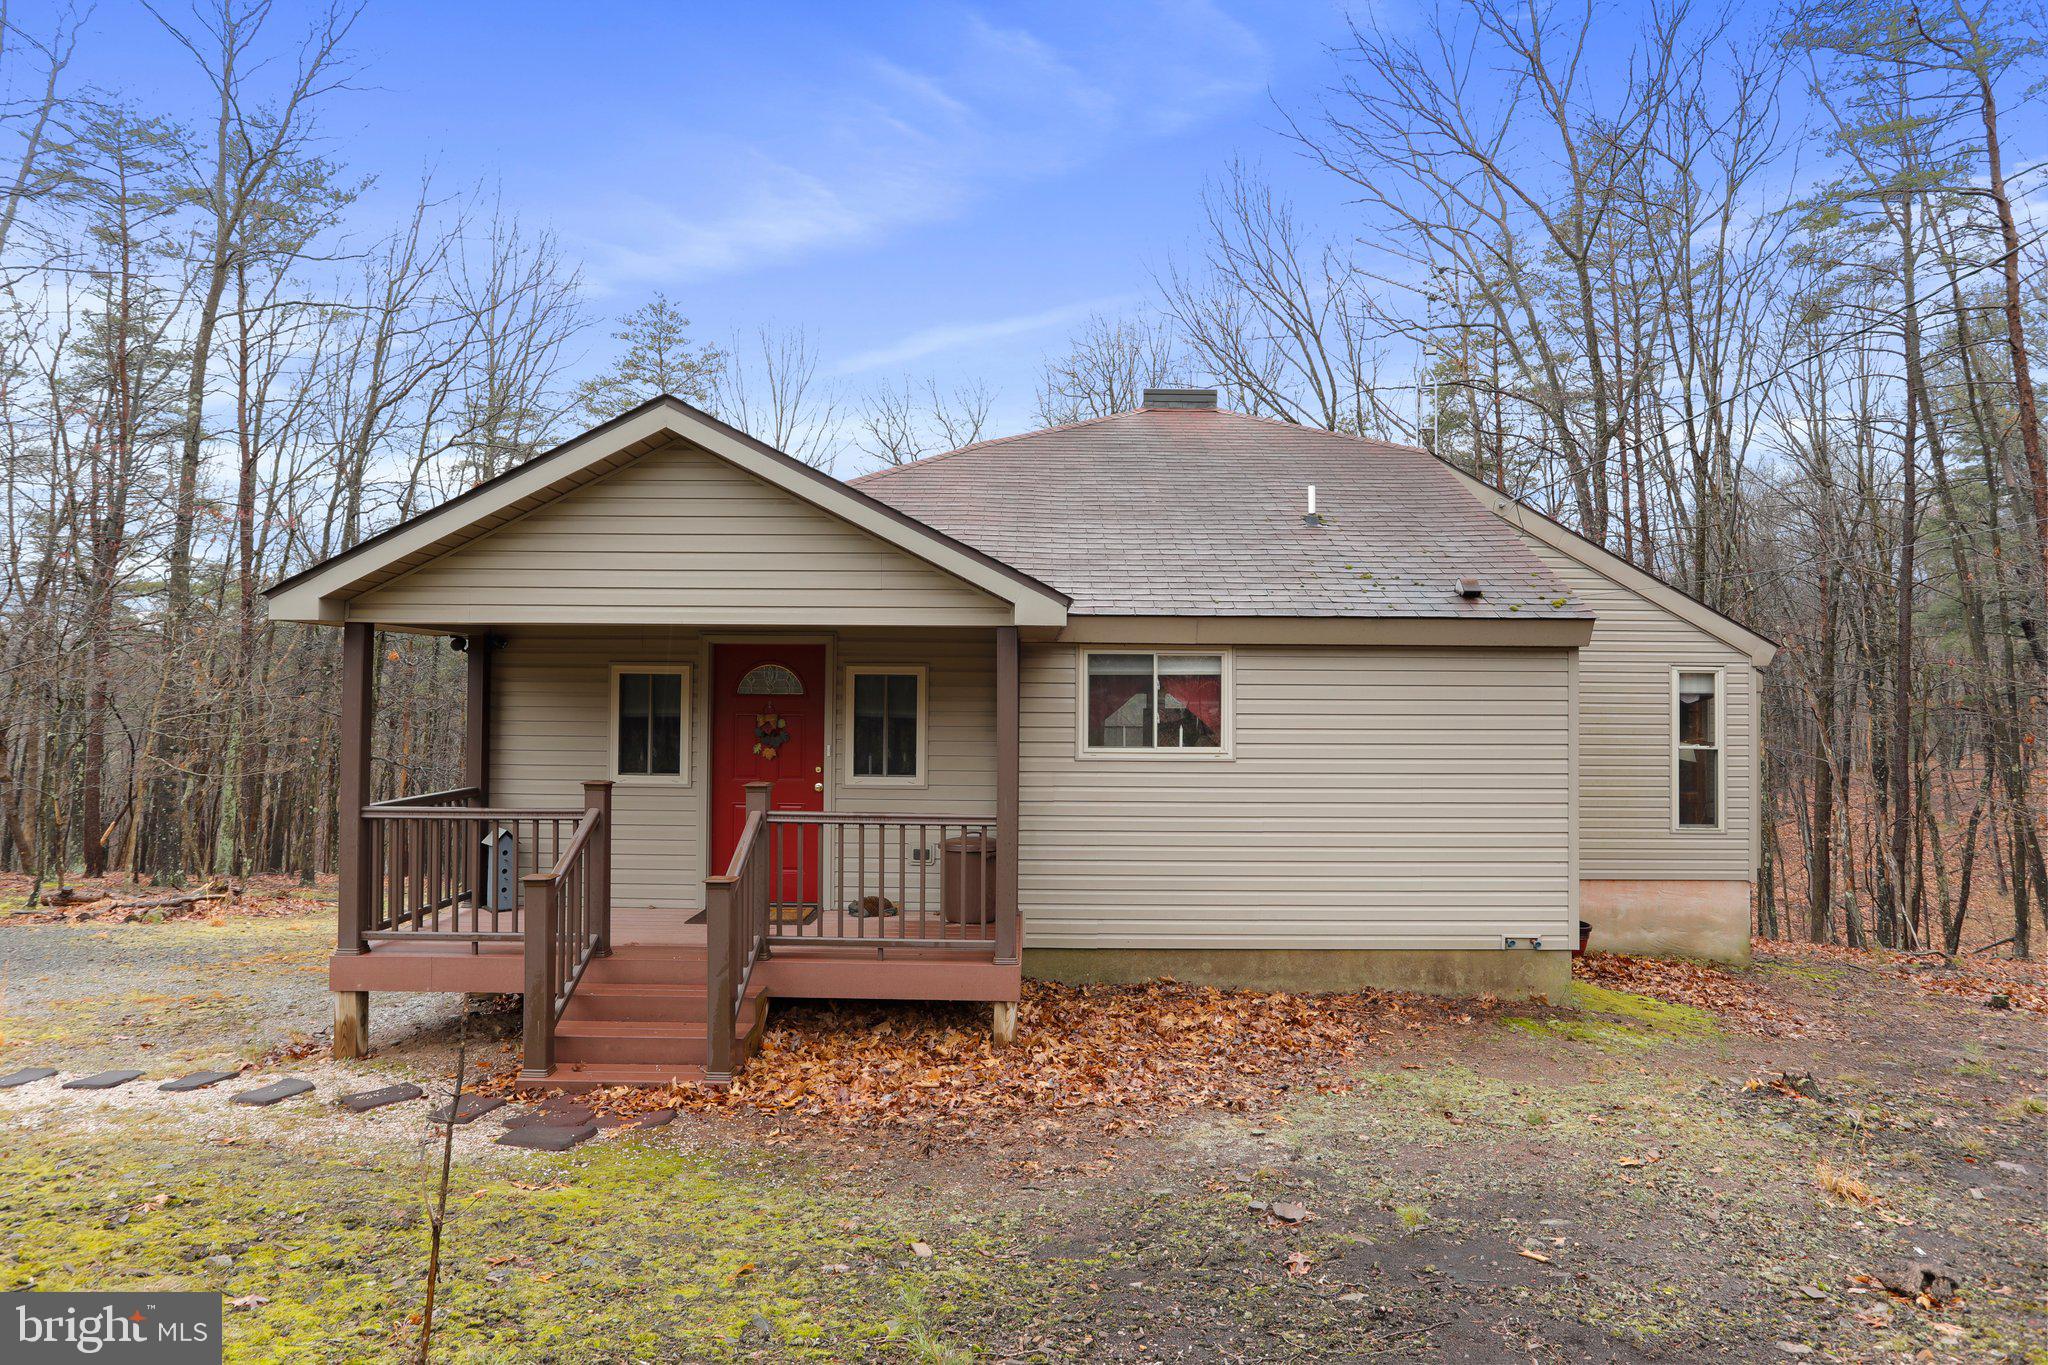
{"type": "Point", "coordinates": [1180, 398]}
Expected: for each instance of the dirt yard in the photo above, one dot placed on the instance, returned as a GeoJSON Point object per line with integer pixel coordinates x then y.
{"type": "Point", "coordinates": [1824, 1157]}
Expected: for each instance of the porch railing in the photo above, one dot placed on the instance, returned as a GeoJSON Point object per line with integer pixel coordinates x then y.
{"type": "Point", "coordinates": [736, 908]}
{"type": "Point", "coordinates": [567, 908]}
{"type": "Point", "coordinates": [886, 881]}
{"type": "Point", "coordinates": [443, 866]}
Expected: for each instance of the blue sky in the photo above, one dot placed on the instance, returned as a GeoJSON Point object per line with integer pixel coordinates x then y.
{"type": "Point", "coordinates": [940, 189]}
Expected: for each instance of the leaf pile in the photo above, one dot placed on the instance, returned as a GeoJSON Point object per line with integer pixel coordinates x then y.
{"type": "Point", "coordinates": [1136, 1051]}
{"type": "Point", "coordinates": [1971, 977]}
{"type": "Point", "coordinates": [116, 900]}
{"type": "Point", "coordinates": [1700, 985]}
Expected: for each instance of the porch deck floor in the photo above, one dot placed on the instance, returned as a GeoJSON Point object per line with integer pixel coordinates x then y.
{"type": "Point", "coordinates": [877, 968]}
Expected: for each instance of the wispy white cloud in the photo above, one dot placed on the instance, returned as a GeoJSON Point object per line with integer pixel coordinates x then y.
{"type": "Point", "coordinates": [909, 137]}
{"type": "Point", "coordinates": [953, 336]}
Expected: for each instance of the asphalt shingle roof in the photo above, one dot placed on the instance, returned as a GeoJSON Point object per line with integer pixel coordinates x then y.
{"type": "Point", "coordinates": [1198, 512]}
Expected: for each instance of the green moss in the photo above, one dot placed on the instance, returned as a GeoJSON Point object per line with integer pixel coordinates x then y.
{"type": "Point", "coordinates": [1799, 971]}
{"type": "Point", "coordinates": [1623, 1020]}
{"type": "Point", "coordinates": [624, 1247]}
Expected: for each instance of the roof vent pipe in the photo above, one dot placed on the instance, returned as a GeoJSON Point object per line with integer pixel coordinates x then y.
{"type": "Point", "coordinates": [1312, 517]}
{"type": "Point", "coordinates": [1470, 588]}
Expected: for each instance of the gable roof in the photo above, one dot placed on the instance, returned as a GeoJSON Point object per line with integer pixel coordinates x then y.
{"type": "Point", "coordinates": [319, 593]}
{"type": "Point", "coordinates": [1200, 512]}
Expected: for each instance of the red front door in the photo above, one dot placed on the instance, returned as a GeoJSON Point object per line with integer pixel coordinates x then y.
{"type": "Point", "coordinates": [768, 724]}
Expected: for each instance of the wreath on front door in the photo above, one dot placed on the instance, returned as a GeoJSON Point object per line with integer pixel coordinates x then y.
{"type": "Point", "coordinates": [770, 734]}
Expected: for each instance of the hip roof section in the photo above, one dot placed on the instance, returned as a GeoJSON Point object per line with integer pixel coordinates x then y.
{"type": "Point", "coordinates": [1200, 512]}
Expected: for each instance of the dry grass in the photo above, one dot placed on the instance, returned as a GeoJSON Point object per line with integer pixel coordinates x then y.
{"type": "Point", "coordinates": [1843, 1187]}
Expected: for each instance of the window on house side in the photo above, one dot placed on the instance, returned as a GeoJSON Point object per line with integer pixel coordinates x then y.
{"type": "Point", "coordinates": [650, 723]}
{"type": "Point", "coordinates": [886, 723]}
{"type": "Point", "coordinates": [1697, 725]}
{"type": "Point", "coordinates": [1155, 701]}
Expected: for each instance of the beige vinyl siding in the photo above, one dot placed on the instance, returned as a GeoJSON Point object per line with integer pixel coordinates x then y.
{"type": "Point", "coordinates": [960, 751]}
{"type": "Point", "coordinates": [678, 536]}
{"type": "Point", "coordinates": [1377, 798]}
{"type": "Point", "coordinates": [552, 730]}
{"type": "Point", "coordinates": [960, 761]}
{"type": "Point", "coordinates": [1625, 738]}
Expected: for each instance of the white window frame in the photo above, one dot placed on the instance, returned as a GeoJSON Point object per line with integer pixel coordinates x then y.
{"type": "Point", "coordinates": [689, 724]}
{"type": "Point", "coordinates": [1720, 748]}
{"type": "Point", "coordinates": [924, 724]}
{"type": "Point", "coordinates": [1224, 751]}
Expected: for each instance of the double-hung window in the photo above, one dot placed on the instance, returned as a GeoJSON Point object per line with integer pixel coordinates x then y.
{"type": "Point", "coordinates": [1696, 716]}
{"type": "Point", "coordinates": [650, 722]}
{"type": "Point", "coordinates": [886, 726]}
{"type": "Point", "coordinates": [1159, 702]}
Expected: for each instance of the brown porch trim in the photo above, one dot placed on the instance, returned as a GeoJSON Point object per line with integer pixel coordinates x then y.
{"type": "Point", "coordinates": [1009, 741]}
{"type": "Point", "coordinates": [845, 974]}
{"type": "Point", "coordinates": [358, 707]}
{"type": "Point", "coordinates": [476, 743]}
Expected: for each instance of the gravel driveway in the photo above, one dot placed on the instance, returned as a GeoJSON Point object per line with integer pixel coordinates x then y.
{"type": "Point", "coordinates": [188, 993]}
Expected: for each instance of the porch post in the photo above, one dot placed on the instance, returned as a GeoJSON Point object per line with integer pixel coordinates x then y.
{"type": "Point", "coordinates": [476, 744]}
{"type": "Point", "coordinates": [538, 1007]}
{"type": "Point", "coordinates": [597, 795]}
{"type": "Point", "coordinates": [358, 706]}
{"type": "Point", "coordinates": [1008, 744]}
{"type": "Point", "coordinates": [718, 1012]}
{"type": "Point", "coordinates": [352, 862]}
{"type": "Point", "coordinates": [476, 771]}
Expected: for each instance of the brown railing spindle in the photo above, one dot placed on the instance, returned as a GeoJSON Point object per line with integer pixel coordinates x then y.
{"type": "Point", "coordinates": [964, 851]}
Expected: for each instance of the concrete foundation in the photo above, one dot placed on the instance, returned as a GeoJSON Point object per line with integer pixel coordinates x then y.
{"type": "Point", "coordinates": [1464, 971]}
{"type": "Point", "coordinates": [1668, 918]}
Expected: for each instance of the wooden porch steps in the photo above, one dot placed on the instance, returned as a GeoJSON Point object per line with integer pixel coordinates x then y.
{"type": "Point", "coordinates": [638, 1018]}
{"type": "Point", "coordinates": [575, 1078]}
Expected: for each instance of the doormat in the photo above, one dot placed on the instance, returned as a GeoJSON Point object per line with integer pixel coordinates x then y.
{"type": "Point", "coordinates": [794, 915]}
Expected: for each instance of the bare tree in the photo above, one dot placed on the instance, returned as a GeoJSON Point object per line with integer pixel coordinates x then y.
{"type": "Point", "coordinates": [1282, 324]}
{"type": "Point", "coordinates": [901, 423]}
{"type": "Point", "coordinates": [769, 388]}
{"type": "Point", "coordinates": [1106, 368]}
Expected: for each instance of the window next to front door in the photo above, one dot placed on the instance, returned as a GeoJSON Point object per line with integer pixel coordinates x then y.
{"type": "Point", "coordinates": [1696, 774]}
{"type": "Point", "coordinates": [650, 723]}
{"type": "Point", "coordinates": [885, 729]}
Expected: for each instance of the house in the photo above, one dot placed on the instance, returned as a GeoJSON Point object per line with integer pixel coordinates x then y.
{"type": "Point", "coordinates": [1174, 692]}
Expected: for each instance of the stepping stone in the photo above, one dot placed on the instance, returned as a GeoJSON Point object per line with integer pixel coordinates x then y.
{"type": "Point", "coordinates": [473, 1108]}
{"type": "Point", "coordinates": [547, 1116]}
{"type": "Point", "coordinates": [198, 1080]}
{"type": "Point", "coordinates": [105, 1080]}
{"type": "Point", "coordinates": [364, 1102]}
{"type": "Point", "coordinates": [541, 1137]}
{"type": "Point", "coordinates": [275, 1091]}
{"type": "Point", "coordinates": [25, 1075]}
{"type": "Point", "coordinates": [660, 1118]}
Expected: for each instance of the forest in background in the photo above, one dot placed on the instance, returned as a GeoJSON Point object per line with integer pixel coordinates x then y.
{"type": "Point", "coordinates": [1756, 309]}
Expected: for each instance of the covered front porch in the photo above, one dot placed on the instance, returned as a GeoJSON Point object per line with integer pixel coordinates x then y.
{"type": "Point", "coordinates": [647, 917]}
